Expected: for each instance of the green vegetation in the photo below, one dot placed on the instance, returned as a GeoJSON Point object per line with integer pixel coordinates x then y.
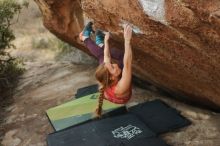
{"type": "Point", "coordinates": [56, 45]}
{"type": "Point", "coordinates": [64, 49]}
{"type": "Point", "coordinates": [10, 68]}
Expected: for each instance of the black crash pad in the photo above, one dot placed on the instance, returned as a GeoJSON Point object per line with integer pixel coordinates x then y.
{"type": "Point", "coordinates": [87, 90]}
{"type": "Point", "coordinates": [123, 130]}
{"type": "Point", "coordinates": [158, 116]}
{"type": "Point", "coordinates": [153, 141]}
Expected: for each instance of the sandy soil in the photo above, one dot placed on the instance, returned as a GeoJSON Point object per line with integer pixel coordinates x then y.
{"type": "Point", "coordinates": [47, 83]}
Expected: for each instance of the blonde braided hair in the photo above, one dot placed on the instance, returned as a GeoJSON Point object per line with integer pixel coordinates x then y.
{"type": "Point", "coordinates": [100, 102]}
{"type": "Point", "coordinates": [102, 75]}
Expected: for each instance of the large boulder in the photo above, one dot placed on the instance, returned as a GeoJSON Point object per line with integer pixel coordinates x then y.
{"type": "Point", "coordinates": [176, 44]}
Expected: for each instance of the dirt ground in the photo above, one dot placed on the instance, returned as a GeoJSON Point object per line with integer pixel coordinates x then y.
{"type": "Point", "coordinates": [48, 82]}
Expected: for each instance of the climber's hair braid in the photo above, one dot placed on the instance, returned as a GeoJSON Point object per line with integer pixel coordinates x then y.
{"type": "Point", "coordinates": [101, 96]}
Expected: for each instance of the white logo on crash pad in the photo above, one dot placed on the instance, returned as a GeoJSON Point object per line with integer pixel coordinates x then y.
{"type": "Point", "coordinates": [127, 132]}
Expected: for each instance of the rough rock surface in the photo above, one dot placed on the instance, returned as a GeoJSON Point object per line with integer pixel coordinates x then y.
{"type": "Point", "coordinates": [176, 42]}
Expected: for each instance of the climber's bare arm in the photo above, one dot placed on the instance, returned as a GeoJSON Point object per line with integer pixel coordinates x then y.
{"type": "Point", "coordinates": [124, 83]}
{"type": "Point", "coordinates": [107, 56]}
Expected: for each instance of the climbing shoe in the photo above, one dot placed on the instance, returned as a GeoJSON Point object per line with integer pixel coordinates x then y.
{"type": "Point", "coordinates": [99, 38]}
{"type": "Point", "coordinates": [88, 30]}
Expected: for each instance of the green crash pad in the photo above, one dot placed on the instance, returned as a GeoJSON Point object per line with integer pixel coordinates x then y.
{"type": "Point", "coordinates": [78, 111]}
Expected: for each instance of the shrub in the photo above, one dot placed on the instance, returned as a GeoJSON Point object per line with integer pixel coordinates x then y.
{"type": "Point", "coordinates": [10, 68]}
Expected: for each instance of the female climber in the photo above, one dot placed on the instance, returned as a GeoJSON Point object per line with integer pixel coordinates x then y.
{"type": "Point", "coordinates": [114, 79]}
